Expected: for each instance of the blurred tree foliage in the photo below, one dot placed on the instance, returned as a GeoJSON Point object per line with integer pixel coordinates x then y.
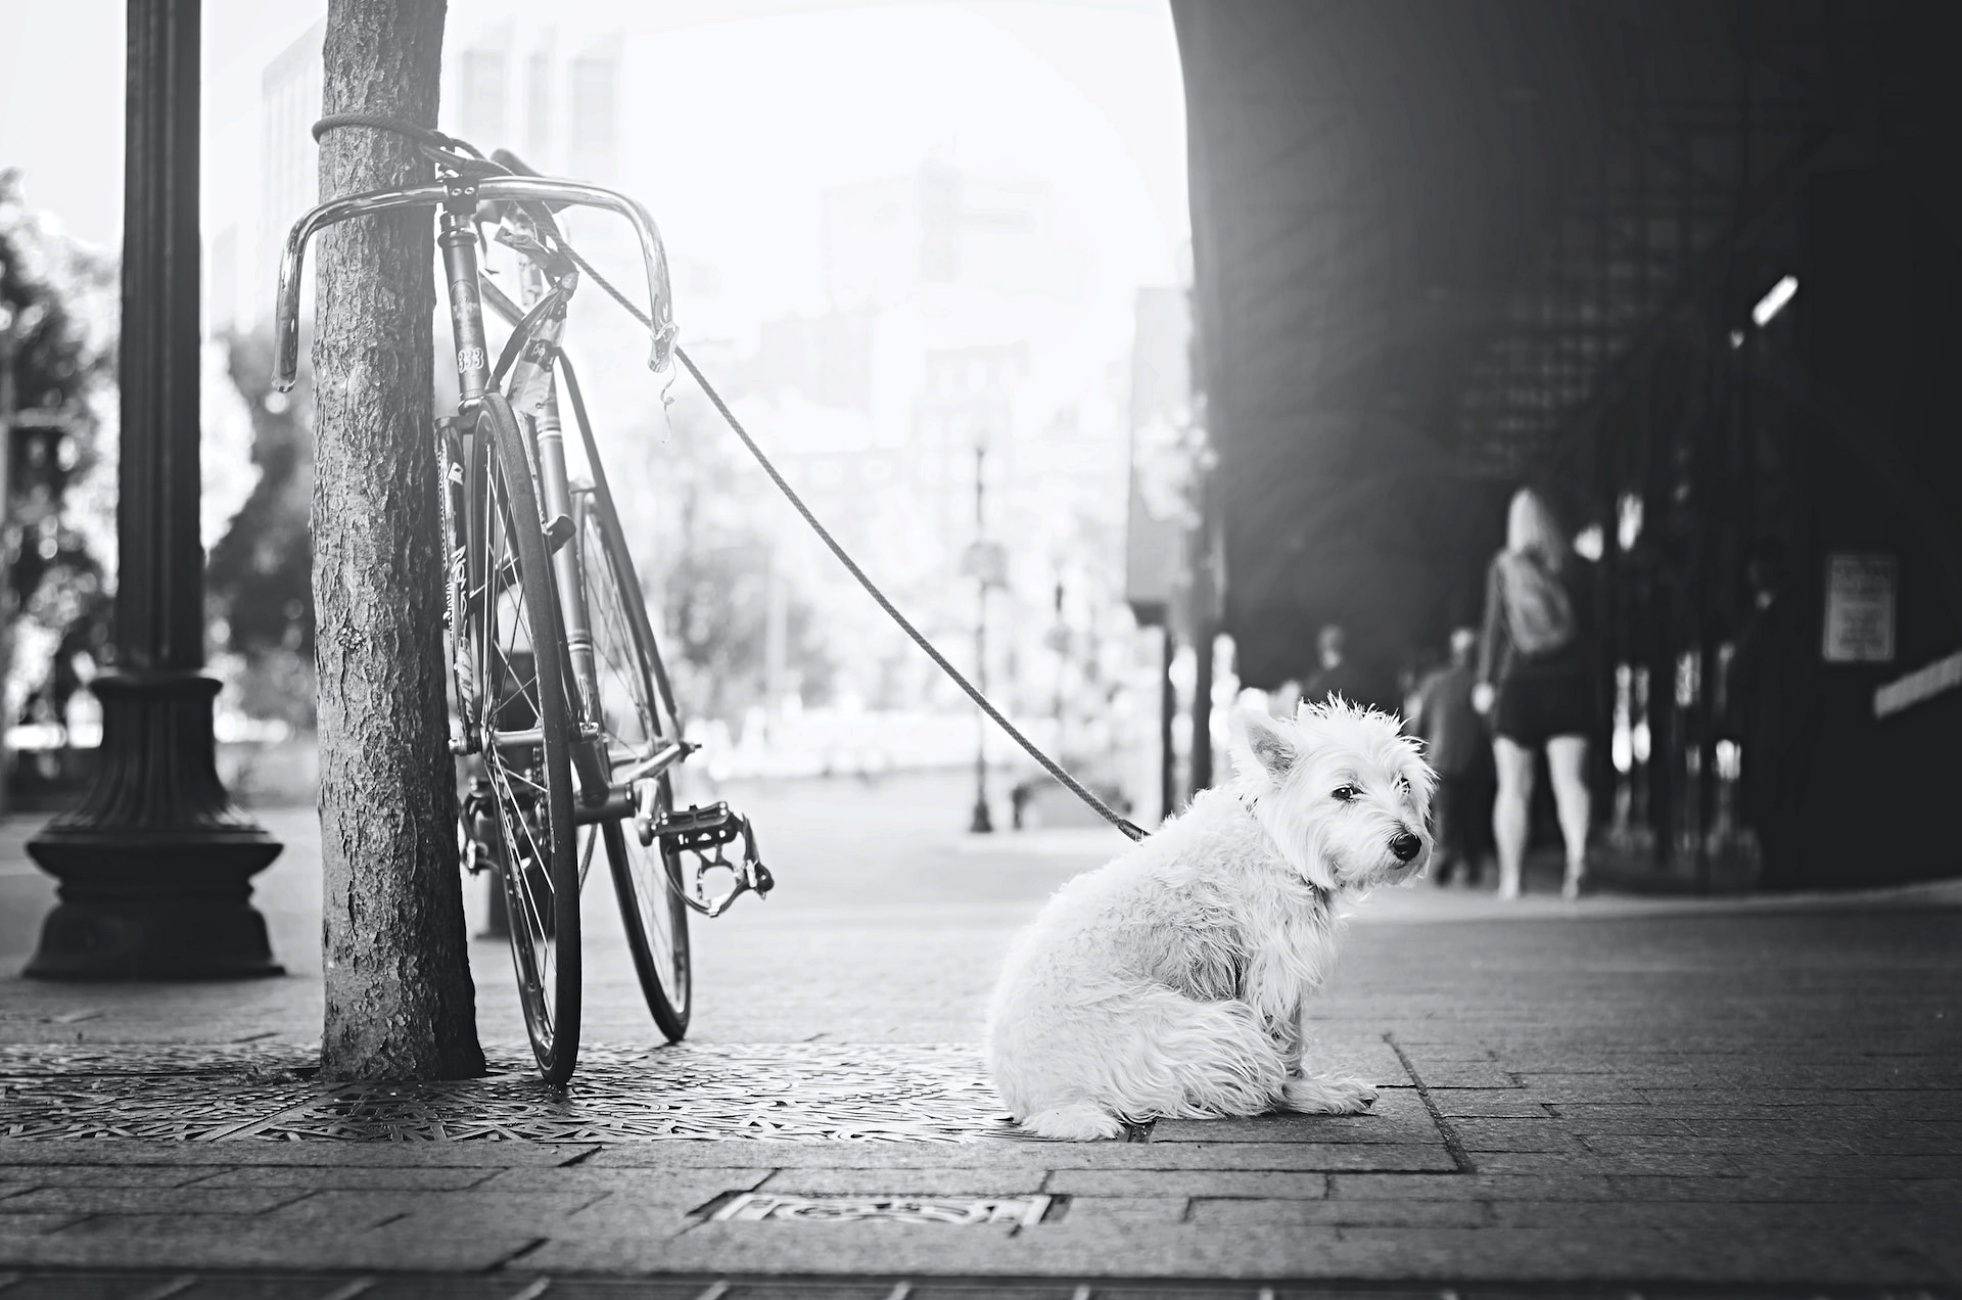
{"type": "Point", "coordinates": [702, 523]}
{"type": "Point", "coordinates": [58, 314]}
{"type": "Point", "coordinates": [259, 577]}
{"type": "Point", "coordinates": [697, 517]}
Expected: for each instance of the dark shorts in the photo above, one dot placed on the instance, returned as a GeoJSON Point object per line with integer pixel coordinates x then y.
{"type": "Point", "coordinates": [1537, 704]}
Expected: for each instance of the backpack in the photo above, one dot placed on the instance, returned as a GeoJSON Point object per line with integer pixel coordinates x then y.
{"type": "Point", "coordinates": [1539, 612]}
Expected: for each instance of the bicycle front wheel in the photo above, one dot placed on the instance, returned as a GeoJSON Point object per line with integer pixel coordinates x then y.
{"type": "Point", "coordinates": [630, 702]}
{"type": "Point", "coordinates": [525, 734]}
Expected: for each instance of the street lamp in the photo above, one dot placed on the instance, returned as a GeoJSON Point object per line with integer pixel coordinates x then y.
{"type": "Point", "coordinates": [985, 561]}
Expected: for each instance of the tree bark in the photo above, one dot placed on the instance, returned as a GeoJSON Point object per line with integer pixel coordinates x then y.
{"type": "Point", "coordinates": [399, 998]}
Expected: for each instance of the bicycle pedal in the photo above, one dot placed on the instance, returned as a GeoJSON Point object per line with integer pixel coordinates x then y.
{"type": "Point", "coordinates": [698, 828]}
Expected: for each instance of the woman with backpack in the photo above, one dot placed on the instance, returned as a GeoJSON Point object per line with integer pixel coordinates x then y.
{"type": "Point", "coordinates": [1534, 684]}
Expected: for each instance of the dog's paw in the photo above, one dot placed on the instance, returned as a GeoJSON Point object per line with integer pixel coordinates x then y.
{"type": "Point", "coordinates": [1077, 1122]}
{"type": "Point", "coordinates": [1329, 1095]}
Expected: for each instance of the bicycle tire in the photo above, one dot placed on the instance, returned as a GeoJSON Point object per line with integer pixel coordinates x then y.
{"type": "Point", "coordinates": [634, 715]}
{"type": "Point", "coordinates": [523, 692]}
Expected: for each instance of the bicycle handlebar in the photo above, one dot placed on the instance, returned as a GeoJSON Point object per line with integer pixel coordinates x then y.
{"type": "Point", "coordinates": [517, 189]}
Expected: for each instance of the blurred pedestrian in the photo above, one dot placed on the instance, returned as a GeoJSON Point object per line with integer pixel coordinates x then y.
{"type": "Point", "coordinates": [1458, 750]}
{"type": "Point", "coordinates": [1337, 673]}
{"type": "Point", "coordinates": [1534, 684]}
{"type": "Point", "coordinates": [1760, 694]}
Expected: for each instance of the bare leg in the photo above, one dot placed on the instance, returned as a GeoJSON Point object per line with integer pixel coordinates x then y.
{"type": "Point", "coordinates": [1566, 761]}
{"type": "Point", "coordinates": [1510, 809]}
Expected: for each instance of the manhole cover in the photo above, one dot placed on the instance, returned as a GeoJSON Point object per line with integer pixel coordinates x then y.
{"type": "Point", "coordinates": [756, 1207]}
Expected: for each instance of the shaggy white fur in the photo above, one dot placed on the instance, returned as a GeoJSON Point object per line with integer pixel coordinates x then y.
{"type": "Point", "coordinates": [1171, 981]}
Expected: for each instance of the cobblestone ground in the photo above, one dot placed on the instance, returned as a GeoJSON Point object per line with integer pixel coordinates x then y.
{"type": "Point", "coordinates": [1596, 1098]}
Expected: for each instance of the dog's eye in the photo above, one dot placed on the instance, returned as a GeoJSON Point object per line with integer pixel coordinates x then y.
{"type": "Point", "coordinates": [1403, 784]}
{"type": "Point", "coordinates": [1344, 793]}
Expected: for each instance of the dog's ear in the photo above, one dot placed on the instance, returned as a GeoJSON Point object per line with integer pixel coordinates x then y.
{"type": "Point", "coordinates": [1271, 748]}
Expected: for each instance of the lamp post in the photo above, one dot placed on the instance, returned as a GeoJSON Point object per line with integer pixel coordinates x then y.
{"type": "Point", "coordinates": [982, 823]}
{"type": "Point", "coordinates": [1060, 635]}
{"type": "Point", "coordinates": [155, 863]}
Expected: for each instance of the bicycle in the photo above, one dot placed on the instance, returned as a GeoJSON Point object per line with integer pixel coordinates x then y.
{"type": "Point", "coordinates": [563, 717]}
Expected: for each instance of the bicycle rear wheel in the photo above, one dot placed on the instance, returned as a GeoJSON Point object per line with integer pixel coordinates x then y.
{"type": "Point", "coordinates": [525, 740]}
{"type": "Point", "coordinates": [630, 702]}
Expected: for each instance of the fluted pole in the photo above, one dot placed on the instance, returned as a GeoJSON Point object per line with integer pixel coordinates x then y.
{"type": "Point", "coordinates": [155, 864]}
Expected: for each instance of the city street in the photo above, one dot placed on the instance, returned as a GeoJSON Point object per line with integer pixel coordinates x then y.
{"type": "Point", "coordinates": [1622, 1092]}
{"type": "Point", "coordinates": [1565, 379]}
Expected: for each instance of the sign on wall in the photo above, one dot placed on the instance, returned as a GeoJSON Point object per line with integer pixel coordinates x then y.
{"type": "Point", "coordinates": [1860, 600]}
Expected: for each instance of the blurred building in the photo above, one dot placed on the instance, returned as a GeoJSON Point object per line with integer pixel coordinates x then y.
{"type": "Point", "coordinates": [289, 161]}
{"type": "Point", "coordinates": [955, 337]}
{"type": "Point", "coordinates": [550, 96]}
{"type": "Point", "coordinates": [1683, 267]}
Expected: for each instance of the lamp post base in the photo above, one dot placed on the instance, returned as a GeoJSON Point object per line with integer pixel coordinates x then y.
{"type": "Point", "coordinates": [157, 940]}
{"type": "Point", "coordinates": [155, 864]}
{"type": "Point", "coordinates": [983, 822]}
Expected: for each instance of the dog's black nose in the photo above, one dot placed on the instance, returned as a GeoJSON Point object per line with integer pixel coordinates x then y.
{"type": "Point", "coordinates": [1405, 846]}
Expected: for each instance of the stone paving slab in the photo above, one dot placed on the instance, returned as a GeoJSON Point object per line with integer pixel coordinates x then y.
{"type": "Point", "coordinates": [1284, 1184]}
{"type": "Point", "coordinates": [178, 1241]}
{"type": "Point", "coordinates": [1482, 1186]}
{"type": "Point", "coordinates": [1546, 1134]}
{"type": "Point", "coordinates": [922, 1182]}
{"type": "Point", "coordinates": [1224, 1156]}
{"type": "Point", "coordinates": [366, 1208]}
{"type": "Point", "coordinates": [391, 1177]}
{"type": "Point", "coordinates": [1129, 1209]}
{"type": "Point", "coordinates": [142, 1200]}
{"type": "Point", "coordinates": [1480, 1102]}
{"type": "Point", "coordinates": [16, 1154]}
{"type": "Point", "coordinates": [14, 1177]}
{"type": "Point", "coordinates": [1398, 1115]}
{"type": "Point", "coordinates": [1238, 1212]}
{"type": "Point", "coordinates": [668, 1183]}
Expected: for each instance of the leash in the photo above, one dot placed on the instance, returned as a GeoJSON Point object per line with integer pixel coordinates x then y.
{"type": "Point", "coordinates": [450, 151]}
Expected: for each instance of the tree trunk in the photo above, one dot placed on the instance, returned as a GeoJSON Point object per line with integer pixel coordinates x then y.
{"type": "Point", "coordinates": [399, 998]}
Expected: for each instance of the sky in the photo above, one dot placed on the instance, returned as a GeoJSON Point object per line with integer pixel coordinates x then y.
{"type": "Point", "coordinates": [770, 102]}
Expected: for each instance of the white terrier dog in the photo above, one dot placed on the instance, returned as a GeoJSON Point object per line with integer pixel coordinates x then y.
{"type": "Point", "coordinates": [1171, 981]}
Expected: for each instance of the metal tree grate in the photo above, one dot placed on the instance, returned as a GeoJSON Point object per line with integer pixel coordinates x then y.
{"type": "Point", "coordinates": [769, 1092]}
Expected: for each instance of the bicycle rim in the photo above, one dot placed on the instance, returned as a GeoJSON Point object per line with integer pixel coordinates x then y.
{"type": "Point", "coordinates": [634, 718]}
{"type": "Point", "coordinates": [525, 750]}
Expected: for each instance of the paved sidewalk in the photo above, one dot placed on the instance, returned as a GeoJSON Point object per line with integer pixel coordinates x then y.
{"type": "Point", "coordinates": [1579, 1098]}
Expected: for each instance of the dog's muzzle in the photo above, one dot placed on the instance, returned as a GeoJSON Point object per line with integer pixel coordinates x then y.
{"type": "Point", "coordinates": [1406, 846]}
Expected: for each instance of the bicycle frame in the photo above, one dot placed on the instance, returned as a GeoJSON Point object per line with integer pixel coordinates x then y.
{"type": "Point", "coordinates": [606, 795]}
